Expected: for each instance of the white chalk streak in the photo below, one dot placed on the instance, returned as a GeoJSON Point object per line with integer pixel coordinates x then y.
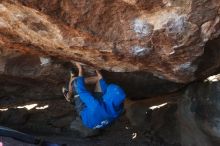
{"type": "Point", "coordinates": [28, 107]}
{"type": "Point", "coordinates": [157, 106]}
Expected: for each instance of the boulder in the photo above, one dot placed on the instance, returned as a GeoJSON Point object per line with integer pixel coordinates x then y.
{"type": "Point", "coordinates": [151, 48]}
{"type": "Point", "coordinates": [31, 77]}
{"type": "Point", "coordinates": [163, 37]}
{"type": "Point", "coordinates": [190, 117]}
{"type": "Point", "coordinates": [199, 114]}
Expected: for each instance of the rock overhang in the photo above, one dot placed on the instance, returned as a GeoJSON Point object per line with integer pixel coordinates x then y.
{"type": "Point", "coordinates": [165, 39]}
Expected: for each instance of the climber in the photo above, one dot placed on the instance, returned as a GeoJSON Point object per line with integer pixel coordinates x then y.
{"type": "Point", "coordinates": [99, 109]}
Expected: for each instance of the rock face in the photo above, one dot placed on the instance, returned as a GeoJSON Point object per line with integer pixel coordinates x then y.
{"type": "Point", "coordinates": [139, 85]}
{"type": "Point", "coordinates": [29, 77]}
{"type": "Point", "coordinates": [189, 118]}
{"type": "Point", "coordinates": [163, 37]}
{"type": "Point", "coordinates": [197, 114]}
{"type": "Point", "coordinates": [149, 47]}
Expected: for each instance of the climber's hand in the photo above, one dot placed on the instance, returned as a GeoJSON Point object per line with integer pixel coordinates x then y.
{"type": "Point", "coordinates": [78, 65]}
{"type": "Point", "coordinates": [98, 74]}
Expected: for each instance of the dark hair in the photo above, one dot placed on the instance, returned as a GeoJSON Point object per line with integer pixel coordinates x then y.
{"type": "Point", "coordinates": [74, 71]}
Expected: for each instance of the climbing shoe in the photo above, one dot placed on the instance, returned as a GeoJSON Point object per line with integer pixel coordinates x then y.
{"type": "Point", "coordinates": [65, 93]}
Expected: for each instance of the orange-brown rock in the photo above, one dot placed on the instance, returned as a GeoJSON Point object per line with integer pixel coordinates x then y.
{"type": "Point", "coordinates": [163, 37]}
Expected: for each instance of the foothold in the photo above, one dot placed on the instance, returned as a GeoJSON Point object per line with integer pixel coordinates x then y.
{"type": "Point", "coordinates": [176, 24]}
{"type": "Point", "coordinates": [186, 67]}
{"type": "Point", "coordinates": [44, 61]}
{"type": "Point", "coordinates": [142, 28]}
{"type": "Point", "coordinates": [139, 51]}
{"type": "Point", "coordinates": [171, 53]}
{"type": "Point", "coordinates": [159, 76]}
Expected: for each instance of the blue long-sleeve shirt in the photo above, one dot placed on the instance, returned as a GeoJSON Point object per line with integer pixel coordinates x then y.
{"type": "Point", "coordinates": [100, 113]}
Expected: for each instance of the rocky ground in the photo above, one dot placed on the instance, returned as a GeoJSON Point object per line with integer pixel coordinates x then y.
{"type": "Point", "coordinates": [173, 124]}
{"type": "Point", "coordinates": [53, 124]}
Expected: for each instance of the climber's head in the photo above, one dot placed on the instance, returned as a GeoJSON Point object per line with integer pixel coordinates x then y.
{"type": "Point", "coordinates": [74, 72]}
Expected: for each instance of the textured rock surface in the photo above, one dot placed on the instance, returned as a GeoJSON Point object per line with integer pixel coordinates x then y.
{"type": "Point", "coordinates": [164, 37]}
{"type": "Point", "coordinates": [199, 114]}
{"type": "Point", "coordinates": [209, 62]}
{"type": "Point", "coordinates": [173, 40]}
{"type": "Point", "coordinates": [53, 123]}
{"type": "Point", "coordinates": [30, 77]}
{"type": "Point", "coordinates": [139, 85]}
{"type": "Point", "coordinates": [188, 118]}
